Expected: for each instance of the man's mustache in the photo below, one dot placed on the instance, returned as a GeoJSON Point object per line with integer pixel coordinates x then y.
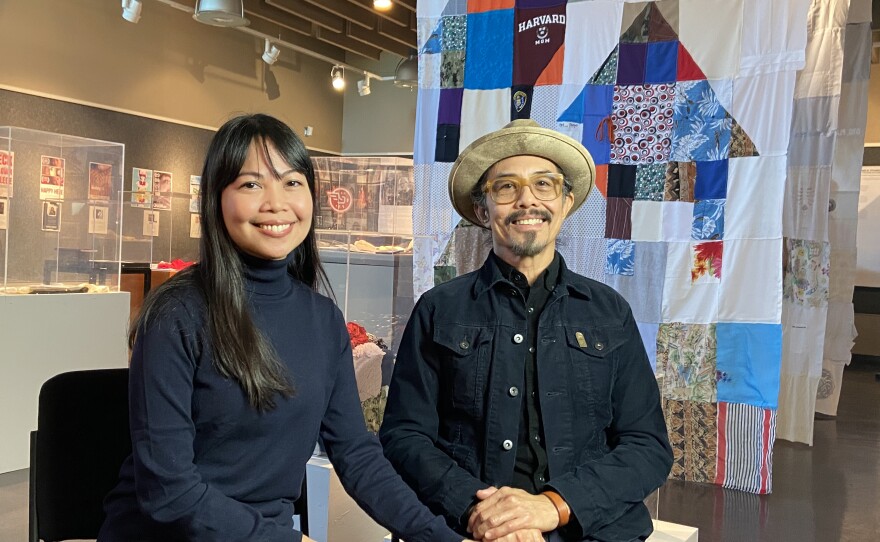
{"type": "Point", "coordinates": [519, 215]}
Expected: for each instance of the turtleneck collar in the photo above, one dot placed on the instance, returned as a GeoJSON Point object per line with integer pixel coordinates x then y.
{"type": "Point", "coordinates": [266, 277]}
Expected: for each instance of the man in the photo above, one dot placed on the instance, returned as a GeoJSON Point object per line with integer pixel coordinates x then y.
{"type": "Point", "coordinates": [523, 404]}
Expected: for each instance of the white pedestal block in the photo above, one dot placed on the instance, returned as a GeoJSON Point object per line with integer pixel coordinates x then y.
{"type": "Point", "coordinates": [673, 532]}
{"type": "Point", "coordinates": [45, 335]}
{"type": "Point", "coordinates": [333, 515]}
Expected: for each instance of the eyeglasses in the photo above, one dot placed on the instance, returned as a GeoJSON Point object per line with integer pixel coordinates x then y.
{"type": "Point", "coordinates": [545, 186]}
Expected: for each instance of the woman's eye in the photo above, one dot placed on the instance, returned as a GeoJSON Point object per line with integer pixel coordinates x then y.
{"type": "Point", "coordinates": [250, 185]}
{"type": "Point", "coordinates": [294, 182]}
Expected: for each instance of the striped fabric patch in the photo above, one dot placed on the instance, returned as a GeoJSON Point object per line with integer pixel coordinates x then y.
{"type": "Point", "coordinates": [745, 447]}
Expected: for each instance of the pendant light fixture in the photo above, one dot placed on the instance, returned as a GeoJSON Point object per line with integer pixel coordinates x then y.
{"type": "Point", "coordinates": [228, 13]}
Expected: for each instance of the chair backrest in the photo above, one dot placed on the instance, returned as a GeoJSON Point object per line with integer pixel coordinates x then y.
{"type": "Point", "coordinates": [82, 438]}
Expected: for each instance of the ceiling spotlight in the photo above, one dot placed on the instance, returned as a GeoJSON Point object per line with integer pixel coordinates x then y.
{"type": "Point", "coordinates": [382, 5]}
{"type": "Point", "coordinates": [337, 76]}
{"type": "Point", "coordinates": [364, 86]}
{"type": "Point", "coordinates": [270, 53]}
{"type": "Point", "coordinates": [220, 13]}
{"type": "Point", "coordinates": [407, 73]}
{"type": "Point", "coordinates": [131, 10]}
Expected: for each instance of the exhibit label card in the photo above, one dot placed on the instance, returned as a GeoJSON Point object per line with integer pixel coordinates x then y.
{"type": "Point", "coordinates": [6, 162]}
{"type": "Point", "coordinates": [195, 226]}
{"type": "Point", "coordinates": [98, 217]}
{"type": "Point", "coordinates": [151, 223]}
{"type": "Point", "coordinates": [51, 216]}
{"type": "Point", "coordinates": [100, 181]}
{"type": "Point", "coordinates": [195, 183]}
{"type": "Point", "coordinates": [161, 190]}
{"type": "Point", "coordinates": [4, 213]}
{"type": "Point", "coordinates": [51, 177]}
{"type": "Point", "coordinates": [141, 187]}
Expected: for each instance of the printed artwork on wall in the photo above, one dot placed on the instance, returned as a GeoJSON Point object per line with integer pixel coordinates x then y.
{"type": "Point", "coordinates": [7, 163]}
{"type": "Point", "coordinates": [51, 178]}
{"type": "Point", "coordinates": [141, 187]}
{"type": "Point", "coordinates": [100, 181]}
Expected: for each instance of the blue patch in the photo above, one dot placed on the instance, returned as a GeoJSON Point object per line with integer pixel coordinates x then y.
{"type": "Point", "coordinates": [748, 363]}
{"type": "Point", "coordinates": [489, 50]}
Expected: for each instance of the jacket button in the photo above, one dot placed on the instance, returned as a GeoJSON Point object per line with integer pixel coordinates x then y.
{"type": "Point", "coordinates": [513, 391]}
{"type": "Point", "coordinates": [600, 346]}
{"type": "Point", "coordinates": [531, 310]}
{"type": "Point", "coordinates": [518, 338]}
{"type": "Point", "coordinates": [507, 444]}
{"type": "Point", "coordinates": [531, 349]}
{"type": "Point", "coordinates": [464, 345]}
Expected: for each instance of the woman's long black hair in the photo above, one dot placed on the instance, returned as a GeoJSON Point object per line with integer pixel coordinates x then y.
{"type": "Point", "coordinates": [240, 350]}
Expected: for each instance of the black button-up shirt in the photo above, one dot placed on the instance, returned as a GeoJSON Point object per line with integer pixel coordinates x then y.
{"type": "Point", "coordinates": [530, 469]}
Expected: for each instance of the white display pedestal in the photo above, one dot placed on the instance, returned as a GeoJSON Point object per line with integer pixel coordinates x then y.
{"type": "Point", "coordinates": [673, 532]}
{"type": "Point", "coordinates": [42, 336]}
{"type": "Point", "coordinates": [333, 515]}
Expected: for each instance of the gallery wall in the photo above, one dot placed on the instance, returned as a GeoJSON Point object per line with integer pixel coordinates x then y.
{"type": "Point", "coordinates": [167, 66]}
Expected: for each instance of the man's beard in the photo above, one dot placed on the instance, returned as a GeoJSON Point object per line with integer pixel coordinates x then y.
{"type": "Point", "coordinates": [529, 247]}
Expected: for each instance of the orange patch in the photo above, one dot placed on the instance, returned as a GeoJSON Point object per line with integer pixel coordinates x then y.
{"type": "Point", "coordinates": [602, 179]}
{"type": "Point", "coordinates": [480, 6]}
{"type": "Point", "coordinates": [552, 74]}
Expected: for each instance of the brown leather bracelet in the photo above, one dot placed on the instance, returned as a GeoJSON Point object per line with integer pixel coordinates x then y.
{"type": "Point", "coordinates": [561, 507]}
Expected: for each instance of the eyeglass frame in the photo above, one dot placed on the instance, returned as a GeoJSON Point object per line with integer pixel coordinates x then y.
{"type": "Point", "coordinates": [559, 183]}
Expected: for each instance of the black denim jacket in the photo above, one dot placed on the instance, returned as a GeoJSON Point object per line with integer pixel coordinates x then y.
{"type": "Point", "coordinates": [453, 412]}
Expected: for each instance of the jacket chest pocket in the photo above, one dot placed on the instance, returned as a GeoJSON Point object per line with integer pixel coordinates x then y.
{"type": "Point", "coordinates": [592, 351]}
{"type": "Point", "coordinates": [465, 352]}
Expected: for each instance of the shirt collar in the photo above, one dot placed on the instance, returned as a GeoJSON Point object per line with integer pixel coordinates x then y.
{"type": "Point", "coordinates": [556, 274]}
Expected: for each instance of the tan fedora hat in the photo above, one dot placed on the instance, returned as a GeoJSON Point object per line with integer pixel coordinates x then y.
{"type": "Point", "coordinates": [520, 137]}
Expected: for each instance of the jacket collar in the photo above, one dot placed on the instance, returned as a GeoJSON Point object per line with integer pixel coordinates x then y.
{"type": "Point", "coordinates": [490, 274]}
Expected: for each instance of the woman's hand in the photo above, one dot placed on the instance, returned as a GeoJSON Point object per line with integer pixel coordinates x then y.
{"type": "Point", "coordinates": [307, 539]}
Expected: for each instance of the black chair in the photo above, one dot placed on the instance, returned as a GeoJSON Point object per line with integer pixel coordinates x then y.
{"type": "Point", "coordinates": [81, 440]}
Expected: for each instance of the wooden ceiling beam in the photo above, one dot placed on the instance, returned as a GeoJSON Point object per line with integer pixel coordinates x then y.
{"type": "Point", "coordinates": [405, 36]}
{"type": "Point", "coordinates": [349, 44]}
{"type": "Point", "coordinates": [408, 4]}
{"type": "Point", "coordinates": [373, 38]}
{"type": "Point", "coordinates": [397, 16]}
{"type": "Point", "coordinates": [321, 18]}
{"type": "Point", "coordinates": [348, 11]}
{"type": "Point", "coordinates": [258, 10]}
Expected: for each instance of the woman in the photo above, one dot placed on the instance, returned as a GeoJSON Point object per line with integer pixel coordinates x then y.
{"type": "Point", "coordinates": [238, 365]}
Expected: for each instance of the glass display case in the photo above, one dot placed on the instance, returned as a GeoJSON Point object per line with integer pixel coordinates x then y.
{"type": "Point", "coordinates": [369, 194]}
{"type": "Point", "coordinates": [160, 227]}
{"type": "Point", "coordinates": [60, 212]}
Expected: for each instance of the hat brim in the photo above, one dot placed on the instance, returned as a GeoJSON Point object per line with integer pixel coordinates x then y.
{"type": "Point", "coordinates": [520, 138]}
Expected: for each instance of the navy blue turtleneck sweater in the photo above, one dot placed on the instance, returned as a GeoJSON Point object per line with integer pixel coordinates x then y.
{"type": "Point", "coordinates": [207, 466]}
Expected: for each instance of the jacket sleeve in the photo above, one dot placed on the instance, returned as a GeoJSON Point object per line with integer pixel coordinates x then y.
{"type": "Point", "coordinates": [600, 492]}
{"type": "Point", "coordinates": [363, 471]}
{"type": "Point", "coordinates": [169, 487]}
{"type": "Point", "coordinates": [410, 425]}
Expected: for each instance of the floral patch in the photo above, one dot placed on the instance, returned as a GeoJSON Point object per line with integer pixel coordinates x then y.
{"type": "Point", "coordinates": [701, 126]}
{"type": "Point", "coordinates": [707, 261]}
{"type": "Point", "coordinates": [620, 257]}
{"type": "Point", "coordinates": [805, 272]}
{"type": "Point", "coordinates": [686, 365]}
{"type": "Point", "coordinates": [708, 220]}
